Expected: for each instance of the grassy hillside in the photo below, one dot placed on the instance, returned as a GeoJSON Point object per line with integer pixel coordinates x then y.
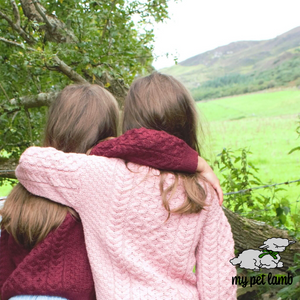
{"type": "Point", "coordinates": [264, 123]}
{"type": "Point", "coordinates": [242, 67]}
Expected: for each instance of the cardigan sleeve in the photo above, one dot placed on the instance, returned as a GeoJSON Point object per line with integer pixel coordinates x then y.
{"type": "Point", "coordinates": [214, 272]}
{"type": "Point", "coordinates": [153, 148]}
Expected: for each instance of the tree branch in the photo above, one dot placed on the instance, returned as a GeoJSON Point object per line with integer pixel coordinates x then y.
{"type": "Point", "coordinates": [9, 174]}
{"type": "Point", "coordinates": [61, 66]}
{"type": "Point", "coordinates": [7, 167]}
{"type": "Point", "coordinates": [5, 17]}
{"type": "Point", "coordinates": [4, 92]}
{"type": "Point", "coordinates": [55, 29]}
{"type": "Point", "coordinates": [42, 99]}
{"type": "Point", "coordinates": [68, 71]}
{"type": "Point", "coordinates": [16, 44]}
{"type": "Point", "coordinates": [38, 8]}
{"type": "Point", "coordinates": [16, 13]}
{"type": "Point", "coordinates": [9, 111]}
{"type": "Point", "coordinates": [116, 86]}
{"type": "Point", "coordinates": [17, 28]}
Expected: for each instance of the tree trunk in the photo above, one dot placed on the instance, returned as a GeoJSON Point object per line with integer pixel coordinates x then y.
{"type": "Point", "coordinates": [7, 167]}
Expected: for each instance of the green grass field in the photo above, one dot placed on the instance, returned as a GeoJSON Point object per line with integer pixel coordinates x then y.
{"type": "Point", "coordinates": [265, 123]}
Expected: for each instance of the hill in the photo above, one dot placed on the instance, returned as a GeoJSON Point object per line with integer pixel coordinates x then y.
{"type": "Point", "coordinates": [242, 67]}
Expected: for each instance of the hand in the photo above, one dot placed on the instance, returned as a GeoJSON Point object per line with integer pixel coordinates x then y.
{"type": "Point", "coordinates": [207, 172]}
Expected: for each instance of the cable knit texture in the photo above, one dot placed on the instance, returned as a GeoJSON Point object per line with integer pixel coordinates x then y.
{"type": "Point", "coordinates": [58, 266]}
{"type": "Point", "coordinates": [157, 149]}
{"type": "Point", "coordinates": [133, 251]}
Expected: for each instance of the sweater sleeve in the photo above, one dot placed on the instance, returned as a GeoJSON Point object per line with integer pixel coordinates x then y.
{"type": "Point", "coordinates": [214, 272]}
{"type": "Point", "coordinates": [53, 174]}
{"type": "Point", "coordinates": [153, 148]}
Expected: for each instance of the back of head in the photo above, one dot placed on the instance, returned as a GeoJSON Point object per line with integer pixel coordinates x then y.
{"type": "Point", "coordinates": [79, 117]}
{"type": "Point", "coordinates": [161, 102]}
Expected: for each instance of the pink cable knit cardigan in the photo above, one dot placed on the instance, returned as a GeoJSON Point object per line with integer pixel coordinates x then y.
{"type": "Point", "coordinates": [134, 252]}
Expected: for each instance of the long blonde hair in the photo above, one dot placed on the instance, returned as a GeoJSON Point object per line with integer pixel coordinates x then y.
{"type": "Point", "coordinates": [80, 116]}
{"type": "Point", "coordinates": [161, 102]}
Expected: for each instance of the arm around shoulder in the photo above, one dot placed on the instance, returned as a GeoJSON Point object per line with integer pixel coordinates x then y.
{"type": "Point", "coordinates": [153, 148]}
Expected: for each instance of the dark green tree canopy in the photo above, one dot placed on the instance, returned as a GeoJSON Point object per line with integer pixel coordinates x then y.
{"type": "Point", "coordinates": [45, 45]}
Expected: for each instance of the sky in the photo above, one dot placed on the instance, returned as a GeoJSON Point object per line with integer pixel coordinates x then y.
{"type": "Point", "coordinates": [196, 26]}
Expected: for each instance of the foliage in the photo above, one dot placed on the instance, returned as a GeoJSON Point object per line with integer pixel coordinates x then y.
{"type": "Point", "coordinates": [103, 42]}
{"type": "Point", "coordinates": [240, 174]}
{"type": "Point", "coordinates": [106, 39]}
{"type": "Point", "coordinates": [237, 178]}
{"type": "Point", "coordinates": [292, 292]}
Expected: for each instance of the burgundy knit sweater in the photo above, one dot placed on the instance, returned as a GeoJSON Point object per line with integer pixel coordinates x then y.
{"type": "Point", "coordinates": [58, 266]}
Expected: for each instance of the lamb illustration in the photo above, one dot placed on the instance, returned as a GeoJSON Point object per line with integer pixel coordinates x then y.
{"type": "Point", "coordinates": [268, 258]}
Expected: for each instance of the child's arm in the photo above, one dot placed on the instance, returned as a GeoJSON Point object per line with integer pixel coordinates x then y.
{"type": "Point", "coordinates": [153, 148]}
{"type": "Point", "coordinates": [214, 272]}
